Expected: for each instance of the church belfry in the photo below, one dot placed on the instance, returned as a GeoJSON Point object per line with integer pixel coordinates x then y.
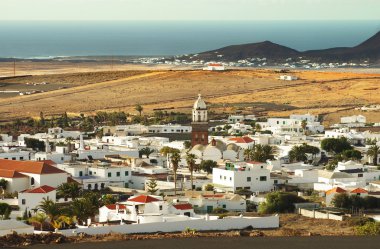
{"type": "Point", "coordinates": [199, 133]}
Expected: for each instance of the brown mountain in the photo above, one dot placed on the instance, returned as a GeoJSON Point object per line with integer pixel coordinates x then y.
{"type": "Point", "coordinates": [369, 51]}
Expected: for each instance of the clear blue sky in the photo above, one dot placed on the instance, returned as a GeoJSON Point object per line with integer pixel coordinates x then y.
{"type": "Point", "coordinates": [189, 9]}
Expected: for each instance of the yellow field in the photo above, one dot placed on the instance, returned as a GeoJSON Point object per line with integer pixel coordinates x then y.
{"type": "Point", "coordinates": [257, 91]}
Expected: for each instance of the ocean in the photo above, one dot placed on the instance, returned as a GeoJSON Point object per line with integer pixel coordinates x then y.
{"type": "Point", "coordinates": [37, 39]}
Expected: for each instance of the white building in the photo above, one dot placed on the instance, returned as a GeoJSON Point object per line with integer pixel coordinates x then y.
{"type": "Point", "coordinates": [358, 119]}
{"type": "Point", "coordinates": [288, 77]}
{"type": "Point", "coordinates": [214, 67]}
{"type": "Point", "coordinates": [95, 176]}
{"type": "Point", "coordinates": [31, 198]}
{"type": "Point", "coordinates": [251, 176]}
{"type": "Point", "coordinates": [233, 119]}
{"type": "Point", "coordinates": [169, 128]}
{"type": "Point", "coordinates": [23, 175]}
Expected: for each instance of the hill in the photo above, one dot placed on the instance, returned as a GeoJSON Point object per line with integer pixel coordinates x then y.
{"type": "Point", "coordinates": [369, 51]}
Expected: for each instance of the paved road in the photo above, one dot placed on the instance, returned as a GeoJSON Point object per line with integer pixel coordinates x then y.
{"type": "Point", "coordinates": [233, 243]}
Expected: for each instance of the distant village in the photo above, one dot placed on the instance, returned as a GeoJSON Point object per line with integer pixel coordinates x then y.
{"type": "Point", "coordinates": [206, 175]}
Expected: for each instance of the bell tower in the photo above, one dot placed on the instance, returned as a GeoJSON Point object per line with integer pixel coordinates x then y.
{"type": "Point", "coordinates": [199, 133]}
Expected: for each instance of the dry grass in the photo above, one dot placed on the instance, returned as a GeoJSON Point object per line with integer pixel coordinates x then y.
{"type": "Point", "coordinates": [256, 91]}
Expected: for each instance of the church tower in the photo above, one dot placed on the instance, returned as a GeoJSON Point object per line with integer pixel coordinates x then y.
{"type": "Point", "coordinates": [199, 133]}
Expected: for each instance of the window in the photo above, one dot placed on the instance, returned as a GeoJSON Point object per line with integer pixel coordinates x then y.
{"type": "Point", "coordinates": [89, 186]}
{"type": "Point", "coordinates": [32, 181]}
{"type": "Point", "coordinates": [160, 207]}
{"type": "Point", "coordinates": [249, 179]}
{"type": "Point", "coordinates": [275, 181]}
{"type": "Point", "coordinates": [126, 173]}
{"type": "Point", "coordinates": [80, 173]}
{"type": "Point", "coordinates": [263, 178]}
{"type": "Point", "coordinates": [21, 158]}
{"type": "Point", "coordinates": [90, 172]}
{"type": "Point", "coordinates": [230, 178]}
{"type": "Point", "coordinates": [117, 173]}
{"type": "Point", "coordinates": [23, 201]}
{"type": "Point", "coordinates": [109, 174]}
{"type": "Point", "coordinates": [224, 206]}
{"type": "Point", "coordinates": [13, 158]}
{"type": "Point", "coordinates": [360, 175]}
{"type": "Point", "coordinates": [220, 177]}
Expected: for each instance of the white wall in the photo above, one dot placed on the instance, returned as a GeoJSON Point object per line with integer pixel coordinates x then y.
{"type": "Point", "coordinates": [198, 224]}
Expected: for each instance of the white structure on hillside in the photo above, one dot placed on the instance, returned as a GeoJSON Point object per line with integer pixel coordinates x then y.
{"type": "Point", "coordinates": [355, 119]}
{"type": "Point", "coordinates": [288, 77]}
{"type": "Point", "coordinates": [251, 176]}
{"type": "Point", "coordinates": [214, 67]}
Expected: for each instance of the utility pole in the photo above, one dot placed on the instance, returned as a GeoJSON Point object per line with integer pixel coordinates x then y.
{"type": "Point", "coordinates": [112, 63]}
{"type": "Point", "coordinates": [14, 67]}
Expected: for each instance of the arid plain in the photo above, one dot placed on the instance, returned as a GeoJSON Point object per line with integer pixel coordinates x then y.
{"type": "Point", "coordinates": [89, 87]}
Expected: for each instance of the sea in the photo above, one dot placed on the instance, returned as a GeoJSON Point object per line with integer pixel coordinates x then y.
{"type": "Point", "coordinates": [44, 39]}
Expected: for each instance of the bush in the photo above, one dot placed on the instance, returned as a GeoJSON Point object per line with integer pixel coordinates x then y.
{"type": "Point", "coordinates": [359, 221]}
{"type": "Point", "coordinates": [368, 229]}
{"type": "Point", "coordinates": [279, 202]}
{"type": "Point", "coordinates": [219, 211]}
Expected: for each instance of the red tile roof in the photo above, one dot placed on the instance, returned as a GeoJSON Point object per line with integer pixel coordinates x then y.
{"type": "Point", "coordinates": [40, 190]}
{"type": "Point", "coordinates": [359, 191]}
{"type": "Point", "coordinates": [11, 174]}
{"type": "Point", "coordinates": [335, 190]}
{"type": "Point", "coordinates": [113, 206]}
{"type": "Point", "coordinates": [31, 167]}
{"type": "Point", "coordinates": [215, 65]}
{"type": "Point", "coordinates": [143, 199]}
{"type": "Point", "coordinates": [242, 140]}
{"type": "Point", "coordinates": [183, 206]}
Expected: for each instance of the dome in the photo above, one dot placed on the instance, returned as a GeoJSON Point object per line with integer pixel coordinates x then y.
{"type": "Point", "coordinates": [199, 104]}
{"type": "Point", "coordinates": [221, 146]}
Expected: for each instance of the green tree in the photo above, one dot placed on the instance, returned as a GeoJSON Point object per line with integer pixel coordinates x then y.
{"type": "Point", "coordinates": [152, 186]}
{"type": "Point", "coordinates": [5, 211]}
{"type": "Point", "coordinates": [190, 160]}
{"type": "Point", "coordinates": [175, 159]}
{"type": "Point", "coordinates": [279, 202]}
{"type": "Point", "coordinates": [187, 144]}
{"type": "Point", "coordinates": [209, 187]}
{"type": "Point", "coordinates": [139, 109]}
{"type": "Point", "coordinates": [341, 200]}
{"type": "Point", "coordinates": [69, 190]}
{"type": "Point", "coordinates": [352, 154]}
{"type": "Point", "coordinates": [168, 150]}
{"type": "Point", "coordinates": [298, 152]}
{"type": "Point", "coordinates": [34, 144]}
{"type": "Point", "coordinates": [304, 125]}
{"type": "Point", "coordinates": [373, 152]}
{"type": "Point", "coordinates": [50, 208]}
{"type": "Point", "coordinates": [336, 145]}
{"type": "Point", "coordinates": [40, 219]}
{"type": "Point", "coordinates": [208, 165]}
{"type": "Point", "coordinates": [108, 199]}
{"type": "Point", "coordinates": [145, 151]}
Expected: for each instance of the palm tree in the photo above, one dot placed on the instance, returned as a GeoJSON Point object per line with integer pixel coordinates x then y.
{"type": "Point", "coordinates": [373, 152]}
{"type": "Point", "coordinates": [269, 152]}
{"type": "Point", "coordinates": [175, 158]}
{"type": "Point", "coordinates": [69, 190]}
{"type": "Point", "coordinates": [145, 151]}
{"type": "Point", "coordinates": [190, 159]}
{"type": "Point", "coordinates": [304, 125]}
{"type": "Point", "coordinates": [40, 219]}
{"type": "Point", "coordinates": [50, 208]}
{"type": "Point", "coordinates": [139, 108]}
{"type": "Point", "coordinates": [248, 154]}
{"type": "Point", "coordinates": [297, 153]}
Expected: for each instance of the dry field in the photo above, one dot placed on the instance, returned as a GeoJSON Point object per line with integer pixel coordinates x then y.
{"type": "Point", "coordinates": [257, 91]}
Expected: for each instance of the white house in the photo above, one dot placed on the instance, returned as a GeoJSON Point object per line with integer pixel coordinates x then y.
{"type": "Point", "coordinates": [214, 67]}
{"type": "Point", "coordinates": [251, 176]}
{"type": "Point", "coordinates": [288, 77]}
{"type": "Point", "coordinates": [31, 198]}
{"type": "Point", "coordinates": [23, 175]}
{"type": "Point", "coordinates": [354, 119]}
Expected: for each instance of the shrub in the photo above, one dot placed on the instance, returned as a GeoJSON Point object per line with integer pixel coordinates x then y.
{"type": "Point", "coordinates": [219, 211]}
{"type": "Point", "coordinates": [368, 229]}
{"type": "Point", "coordinates": [279, 202]}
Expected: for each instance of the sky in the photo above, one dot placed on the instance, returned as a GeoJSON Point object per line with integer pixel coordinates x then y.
{"type": "Point", "coordinates": [69, 10]}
